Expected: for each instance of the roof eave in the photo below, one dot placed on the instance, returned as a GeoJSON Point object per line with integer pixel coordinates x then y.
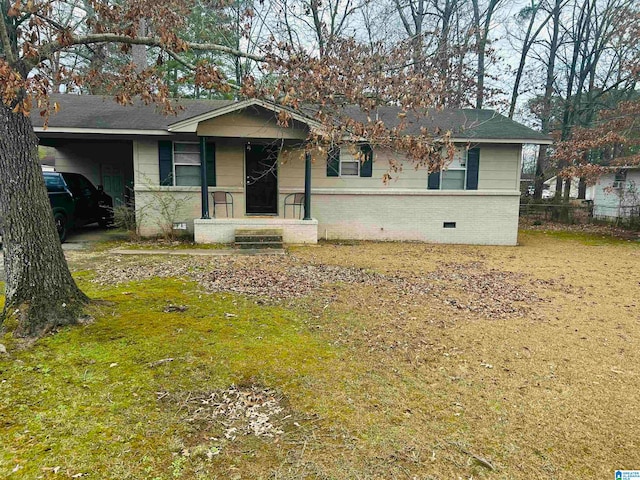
{"type": "Point", "coordinates": [100, 131]}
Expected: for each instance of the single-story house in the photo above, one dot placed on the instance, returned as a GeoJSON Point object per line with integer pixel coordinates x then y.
{"type": "Point", "coordinates": [550, 186]}
{"type": "Point", "coordinates": [174, 165]}
{"type": "Point", "coordinates": [617, 194]}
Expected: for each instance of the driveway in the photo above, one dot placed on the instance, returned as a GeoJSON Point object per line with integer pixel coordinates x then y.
{"type": "Point", "coordinates": [79, 239]}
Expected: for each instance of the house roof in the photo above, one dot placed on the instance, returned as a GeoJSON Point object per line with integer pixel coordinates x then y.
{"type": "Point", "coordinates": [465, 124]}
{"type": "Point", "coordinates": [98, 114]}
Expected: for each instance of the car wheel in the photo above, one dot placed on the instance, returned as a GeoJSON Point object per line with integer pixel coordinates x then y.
{"type": "Point", "coordinates": [61, 225]}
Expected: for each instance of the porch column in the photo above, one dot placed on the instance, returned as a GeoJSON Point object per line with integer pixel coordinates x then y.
{"type": "Point", "coordinates": [307, 186]}
{"type": "Point", "coordinates": [203, 178]}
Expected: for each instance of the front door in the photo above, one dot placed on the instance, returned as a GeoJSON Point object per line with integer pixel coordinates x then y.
{"type": "Point", "coordinates": [262, 180]}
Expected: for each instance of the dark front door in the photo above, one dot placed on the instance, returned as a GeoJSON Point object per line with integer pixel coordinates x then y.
{"type": "Point", "coordinates": [262, 180]}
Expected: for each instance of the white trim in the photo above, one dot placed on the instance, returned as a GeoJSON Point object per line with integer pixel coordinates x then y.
{"type": "Point", "coordinates": [340, 191]}
{"type": "Point", "coordinates": [406, 192]}
{"type": "Point", "coordinates": [190, 125]}
{"type": "Point", "coordinates": [101, 131]}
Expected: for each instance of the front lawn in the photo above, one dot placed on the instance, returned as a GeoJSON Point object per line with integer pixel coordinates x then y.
{"type": "Point", "coordinates": [341, 361]}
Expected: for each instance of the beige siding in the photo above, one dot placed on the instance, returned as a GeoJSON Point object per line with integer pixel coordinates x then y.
{"type": "Point", "coordinates": [230, 163]}
{"type": "Point", "coordinates": [252, 123]}
{"type": "Point", "coordinates": [499, 167]}
{"type": "Point", "coordinates": [145, 163]}
{"type": "Point", "coordinates": [499, 170]}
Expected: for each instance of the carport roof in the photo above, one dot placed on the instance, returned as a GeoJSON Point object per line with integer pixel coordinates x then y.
{"type": "Point", "coordinates": [98, 112]}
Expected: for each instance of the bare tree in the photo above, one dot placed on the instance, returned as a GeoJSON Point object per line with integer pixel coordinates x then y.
{"type": "Point", "coordinates": [482, 25]}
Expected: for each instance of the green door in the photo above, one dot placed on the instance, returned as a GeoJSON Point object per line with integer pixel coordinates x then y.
{"type": "Point", "coordinates": [113, 184]}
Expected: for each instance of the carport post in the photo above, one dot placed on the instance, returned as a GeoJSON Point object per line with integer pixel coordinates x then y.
{"type": "Point", "coordinates": [307, 186]}
{"type": "Point", "coordinates": [203, 178]}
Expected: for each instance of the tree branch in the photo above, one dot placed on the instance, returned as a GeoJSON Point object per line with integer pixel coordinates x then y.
{"type": "Point", "coordinates": [50, 48]}
{"type": "Point", "coordinates": [4, 38]}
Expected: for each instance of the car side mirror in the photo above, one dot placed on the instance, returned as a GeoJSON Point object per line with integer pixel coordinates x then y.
{"type": "Point", "coordinates": [100, 188]}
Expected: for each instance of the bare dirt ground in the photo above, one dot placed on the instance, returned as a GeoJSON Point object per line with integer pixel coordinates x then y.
{"type": "Point", "coordinates": [548, 389]}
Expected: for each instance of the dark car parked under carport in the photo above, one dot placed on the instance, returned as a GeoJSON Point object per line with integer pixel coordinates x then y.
{"type": "Point", "coordinates": [75, 202]}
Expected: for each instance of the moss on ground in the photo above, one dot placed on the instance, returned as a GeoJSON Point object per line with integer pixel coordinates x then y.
{"type": "Point", "coordinates": [86, 399]}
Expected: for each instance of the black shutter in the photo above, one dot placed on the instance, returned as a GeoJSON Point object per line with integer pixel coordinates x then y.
{"type": "Point", "coordinates": [333, 162]}
{"type": "Point", "coordinates": [434, 181]}
{"type": "Point", "coordinates": [366, 169]}
{"type": "Point", "coordinates": [473, 167]}
{"type": "Point", "coordinates": [165, 162]}
{"type": "Point", "coordinates": [211, 164]}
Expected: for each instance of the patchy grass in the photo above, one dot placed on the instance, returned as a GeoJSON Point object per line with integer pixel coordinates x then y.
{"type": "Point", "coordinates": [586, 238]}
{"type": "Point", "coordinates": [401, 361]}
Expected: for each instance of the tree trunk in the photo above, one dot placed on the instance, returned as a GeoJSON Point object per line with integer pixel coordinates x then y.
{"type": "Point", "coordinates": [541, 165]}
{"type": "Point", "coordinates": [582, 189]}
{"type": "Point", "coordinates": [40, 292]}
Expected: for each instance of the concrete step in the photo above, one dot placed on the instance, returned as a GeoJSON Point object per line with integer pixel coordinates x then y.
{"type": "Point", "coordinates": [258, 231]}
{"type": "Point", "coordinates": [258, 238]}
{"type": "Point", "coordinates": [258, 245]}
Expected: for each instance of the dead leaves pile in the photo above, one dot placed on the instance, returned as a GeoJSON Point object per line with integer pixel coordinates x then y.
{"type": "Point", "coordinates": [269, 278]}
{"type": "Point", "coordinates": [489, 292]}
{"type": "Point", "coordinates": [470, 287]}
{"type": "Point", "coordinates": [240, 411]}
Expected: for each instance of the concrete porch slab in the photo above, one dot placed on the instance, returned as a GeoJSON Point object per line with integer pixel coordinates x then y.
{"type": "Point", "coordinates": [223, 230]}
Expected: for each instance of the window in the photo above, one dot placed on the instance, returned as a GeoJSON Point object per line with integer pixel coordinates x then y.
{"type": "Point", "coordinates": [179, 163]}
{"type": "Point", "coordinates": [460, 174]}
{"type": "Point", "coordinates": [54, 182]}
{"type": "Point", "coordinates": [453, 178]}
{"type": "Point", "coordinates": [620, 179]}
{"type": "Point", "coordinates": [350, 161]}
{"type": "Point", "coordinates": [186, 163]}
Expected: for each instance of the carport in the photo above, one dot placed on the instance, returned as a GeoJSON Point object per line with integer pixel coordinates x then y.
{"type": "Point", "coordinates": [105, 162]}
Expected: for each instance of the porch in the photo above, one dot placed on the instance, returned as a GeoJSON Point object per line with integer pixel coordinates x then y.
{"type": "Point", "coordinates": [223, 230]}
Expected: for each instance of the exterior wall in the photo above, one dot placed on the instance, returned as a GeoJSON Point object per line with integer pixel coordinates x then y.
{"type": "Point", "coordinates": [158, 207]}
{"type": "Point", "coordinates": [617, 203]}
{"type": "Point", "coordinates": [251, 123]}
{"type": "Point", "coordinates": [499, 167]}
{"type": "Point", "coordinates": [354, 207]}
{"type": "Point", "coordinates": [480, 217]}
{"type": "Point", "coordinates": [499, 170]}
